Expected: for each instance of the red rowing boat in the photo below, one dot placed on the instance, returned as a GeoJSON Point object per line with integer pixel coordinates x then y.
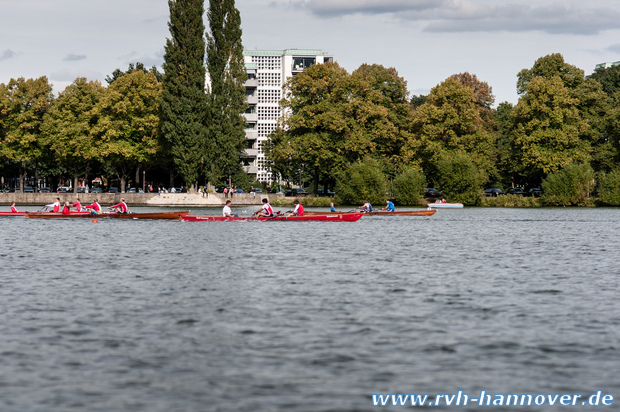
{"type": "Point", "coordinates": [396, 213]}
{"type": "Point", "coordinates": [335, 217]}
{"type": "Point", "coordinates": [9, 214]}
{"type": "Point", "coordinates": [153, 215]}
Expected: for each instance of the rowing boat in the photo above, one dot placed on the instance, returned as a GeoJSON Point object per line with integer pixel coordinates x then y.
{"type": "Point", "coordinates": [152, 215]}
{"type": "Point", "coordinates": [445, 205]}
{"type": "Point", "coordinates": [396, 213]}
{"type": "Point", "coordinates": [325, 217]}
{"type": "Point", "coordinates": [12, 214]}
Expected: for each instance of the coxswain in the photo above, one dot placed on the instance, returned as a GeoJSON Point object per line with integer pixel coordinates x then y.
{"type": "Point", "coordinates": [331, 207]}
{"type": "Point", "coordinates": [389, 207]}
{"type": "Point", "coordinates": [298, 210]}
{"type": "Point", "coordinates": [94, 207]}
{"type": "Point", "coordinates": [13, 208]}
{"type": "Point", "coordinates": [265, 210]}
{"type": "Point", "coordinates": [55, 206]}
{"type": "Point", "coordinates": [366, 208]}
{"type": "Point", "coordinates": [66, 210]}
{"type": "Point", "coordinates": [227, 211]}
{"type": "Point", "coordinates": [120, 207]}
{"type": "Point", "coordinates": [77, 205]}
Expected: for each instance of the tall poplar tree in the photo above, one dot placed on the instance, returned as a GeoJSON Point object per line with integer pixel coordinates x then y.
{"type": "Point", "coordinates": [227, 99]}
{"type": "Point", "coordinates": [183, 104]}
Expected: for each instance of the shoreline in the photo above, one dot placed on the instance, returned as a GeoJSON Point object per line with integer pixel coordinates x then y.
{"type": "Point", "coordinates": [139, 199]}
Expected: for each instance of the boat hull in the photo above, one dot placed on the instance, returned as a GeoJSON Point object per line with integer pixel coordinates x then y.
{"type": "Point", "coordinates": [154, 215]}
{"type": "Point", "coordinates": [395, 213]}
{"type": "Point", "coordinates": [337, 217]}
{"type": "Point", "coordinates": [445, 205]}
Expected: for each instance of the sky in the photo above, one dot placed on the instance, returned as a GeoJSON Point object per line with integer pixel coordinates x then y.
{"type": "Point", "coordinates": [426, 41]}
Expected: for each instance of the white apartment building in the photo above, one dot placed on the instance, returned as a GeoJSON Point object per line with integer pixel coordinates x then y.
{"type": "Point", "coordinates": [267, 71]}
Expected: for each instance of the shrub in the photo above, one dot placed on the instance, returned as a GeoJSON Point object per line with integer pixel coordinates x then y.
{"type": "Point", "coordinates": [409, 187]}
{"type": "Point", "coordinates": [460, 180]}
{"type": "Point", "coordinates": [361, 181]}
{"type": "Point", "coordinates": [570, 186]}
{"type": "Point", "coordinates": [609, 188]}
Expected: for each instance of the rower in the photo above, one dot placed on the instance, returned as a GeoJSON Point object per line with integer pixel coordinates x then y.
{"type": "Point", "coordinates": [66, 210]}
{"type": "Point", "coordinates": [366, 207]}
{"type": "Point", "coordinates": [227, 211]}
{"type": "Point", "coordinates": [55, 206]}
{"type": "Point", "coordinates": [120, 207]}
{"type": "Point", "coordinates": [94, 207]}
{"type": "Point", "coordinates": [13, 208]}
{"type": "Point", "coordinates": [298, 210]}
{"type": "Point", "coordinates": [77, 205]}
{"type": "Point", "coordinates": [265, 210]}
{"type": "Point", "coordinates": [389, 207]}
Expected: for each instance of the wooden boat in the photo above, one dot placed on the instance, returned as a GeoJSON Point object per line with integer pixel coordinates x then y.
{"type": "Point", "coordinates": [445, 205]}
{"type": "Point", "coordinates": [151, 215]}
{"type": "Point", "coordinates": [334, 217]}
{"type": "Point", "coordinates": [379, 213]}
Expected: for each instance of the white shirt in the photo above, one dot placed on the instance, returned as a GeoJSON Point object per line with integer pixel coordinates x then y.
{"type": "Point", "coordinates": [226, 210]}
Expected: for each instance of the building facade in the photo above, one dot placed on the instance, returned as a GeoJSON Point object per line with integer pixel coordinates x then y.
{"type": "Point", "coordinates": [267, 71]}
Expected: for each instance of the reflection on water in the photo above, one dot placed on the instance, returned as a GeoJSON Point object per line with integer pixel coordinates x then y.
{"type": "Point", "coordinates": [306, 316]}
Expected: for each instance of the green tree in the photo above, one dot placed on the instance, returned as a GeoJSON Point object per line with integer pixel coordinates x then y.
{"type": "Point", "coordinates": [363, 180]}
{"type": "Point", "coordinates": [409, 187]}
{"type": "Point", "coordinates": [184, 101]}
{"type": "Point", "coordinates": [552, 65]}
{"type": "Point", "coordinates": [226, 98]}
{"type": "Point", "coordinates": [570, 186]}
{"type": "Point", "coordinates": [450, 121]}
{"type": "Point", "coordinates": [460, 178]}
{"type": "Point", "coordinates": [67, 127]}
{"type": "Point", "coordinates": [547, 129]}
{"type": "Point", "coordinates": [138, 66]}
{"type": "Point", "coordinates": [609, 78]}
{"type": "Point", "coordinates": [129, 122]}
{"type": "Point", "coordinates": [609, 188]}
{"type": "Point", "coordinates": [23, 103]}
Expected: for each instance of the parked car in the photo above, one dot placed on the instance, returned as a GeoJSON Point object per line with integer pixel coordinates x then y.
{"type": "Point", "coordinates": [535, 191]}
{"type": "Point", "coordinates": [258, 190]}
{"type": "Point", "coordinates": [321, 192]}
{"type": "Point", "coordinates": [516, 191]}
{"type": "Point", "coordinates": [493, 192]}
{"type": "Point", "coordinates": [113, 190]}
{"type": "Point", "coordinates": [81, 190]}
{"type": "Point", "coordinates": [96, 190]}
{"type": "Point", "coordinates": [131, 190]}
{"type": "Point", "coordinates": [296, 192]}
{"type": "Point", "coordinates": [45, 190]}
{"type": "Point", "coordinates": [28, 189]}
{"type": "Point", "coordinates": [62, 189]}
{"type": "Point", "coordinates": [276, 191]}
{"type": "Point", "coordinates": [431, 192]}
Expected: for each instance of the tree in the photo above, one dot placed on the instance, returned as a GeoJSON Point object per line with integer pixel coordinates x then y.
{"type": "Point", "coordinates": [609, 188]}
{"type": "Point", "coordinates": [609, 78]}
{"type": "Point", "coordinates": [129, 122]}
{"type": "Point", "coordinates": [409, 186]}
{"type": "Point", "coordinates": [552, 65]}
{"type": "Point", "coordinates": [450, 121]}
{"type": "Point", "coordinates": [68, 123]}
{"type": "Point", "coordinates": [226, 98]}
{"type": "Point", "coordinates": [138, 66]}
{"type": "Point", "coordinates": [184, 101]}
{"type": "Point", "coordinates": [459, 177]}
{"type": "Point", "coordinates": [570, 186]}
{"type": "Point", "coordinates": [363, 180]}
{"type": "Point", "coordinates": [23, 103]}
{"type": "Point", "coordinates": [547, 130]}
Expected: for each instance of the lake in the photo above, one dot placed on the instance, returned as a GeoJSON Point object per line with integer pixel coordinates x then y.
{"type": "Point", "coordinates": [308, 316]}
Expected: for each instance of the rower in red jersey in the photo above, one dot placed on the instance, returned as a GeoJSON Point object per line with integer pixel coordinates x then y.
{"type": "Point", "coordinates": [13, 208]}
{"type": "Point", "coordinates": [77, 205]}
{"type": "Point", "coordinates": [120, 207]}
{"type": "Point", "coordinates": [94, 207]}
{"type": "Point", "coordinates": [55, 206]}
{"type": "Point", "coordinates": [66, 210]}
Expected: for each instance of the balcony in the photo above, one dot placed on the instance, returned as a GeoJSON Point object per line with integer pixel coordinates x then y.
{"type": "Point", "coordinates": [251, 152]}
{"type": "Point", "coordinates": [252, 99]}
{"type": "Point", "coordinates": [250, 169]}
{"type": "Point", "coordinates": [251, 134]}
{"type": "Point", "coordinates": [251, 83]}
{"type": "Point", "coordinates": [251, 117]}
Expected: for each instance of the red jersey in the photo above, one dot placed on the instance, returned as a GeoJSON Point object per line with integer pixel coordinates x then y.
{"type": "Point", "coordinates": [13, 209]}
{"type": "Point", "coordinates": [299, 210]}
{"type": "Point", "coordinates": [95, 206]}
{"type": "Point", "coordinates": [66, 210]}
{"type": "Point", "coordinates": [77, 206]}
{"type": "Point", "coordinates": [122, 206]}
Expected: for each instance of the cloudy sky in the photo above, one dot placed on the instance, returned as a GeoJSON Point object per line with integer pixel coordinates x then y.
{"type": "Point", "coordinates": [425, 40]}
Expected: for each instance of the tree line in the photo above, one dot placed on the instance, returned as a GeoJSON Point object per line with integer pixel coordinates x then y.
{"type": "Point", "coordinates": [361, 134]}
{"type": "Point", "coordinates": [172, 124]}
